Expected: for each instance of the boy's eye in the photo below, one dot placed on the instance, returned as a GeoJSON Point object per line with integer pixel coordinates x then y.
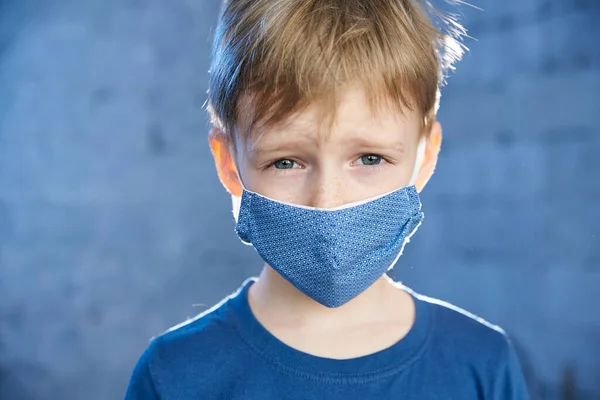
{"type": "Point", "coordinates": [370, 159]}
{"type": "Point", "coordinates": [284, 164]}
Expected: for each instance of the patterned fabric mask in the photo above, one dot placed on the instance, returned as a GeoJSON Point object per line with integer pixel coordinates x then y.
{"type": "Point", "coordinates": [331, 255]}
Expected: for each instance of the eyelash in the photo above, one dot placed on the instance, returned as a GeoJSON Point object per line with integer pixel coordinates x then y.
{"type": "Point", "coordinates": [375, 167]}
{"type": "Point", "coordinates": [272, 168]}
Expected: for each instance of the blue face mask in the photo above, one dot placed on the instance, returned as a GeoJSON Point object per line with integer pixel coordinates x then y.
{"type": "Point", "coordinates": [331, 255]}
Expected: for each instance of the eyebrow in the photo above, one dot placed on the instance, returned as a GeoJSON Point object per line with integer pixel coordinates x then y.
{"type": "Point", "coordinates": [376, 143]}
{"type": "Point", "coordinates": [292, 143]}
{"type": "Point", "coordinates": [296, 137]}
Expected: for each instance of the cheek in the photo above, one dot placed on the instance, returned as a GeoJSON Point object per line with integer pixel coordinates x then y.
{"type": "Point", "coordinates": [285, 188]}
{"type": "Point", "coordinates": [404, 177]}
{"type": "Point", "coordinates": [252, 177]}
{"type": "Point", "coordinates": [382, 180]}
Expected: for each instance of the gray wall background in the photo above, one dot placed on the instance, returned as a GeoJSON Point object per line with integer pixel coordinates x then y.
{"type": "Point", "coordinates": [113, 225]}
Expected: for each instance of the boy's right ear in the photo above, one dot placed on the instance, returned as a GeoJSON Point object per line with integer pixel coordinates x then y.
{"type": "Point", "coordinates": [220, 147]}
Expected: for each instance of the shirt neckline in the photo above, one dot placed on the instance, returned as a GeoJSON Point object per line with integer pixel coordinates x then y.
{"type": "Point", "coordinates": [361, 369]}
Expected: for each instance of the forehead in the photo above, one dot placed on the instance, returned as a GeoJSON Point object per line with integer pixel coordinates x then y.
{"type": "Point", "coordinates": [353, 116]}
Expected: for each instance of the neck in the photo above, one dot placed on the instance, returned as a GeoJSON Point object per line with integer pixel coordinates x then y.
{"type": "Point", "coordinates": [278, 300]}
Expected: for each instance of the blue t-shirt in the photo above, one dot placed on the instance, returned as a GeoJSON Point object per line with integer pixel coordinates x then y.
{"type": "Point", "coordinates": [227, 354]}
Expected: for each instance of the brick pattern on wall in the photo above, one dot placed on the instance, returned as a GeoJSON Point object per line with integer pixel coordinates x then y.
{"type": "Point", "coordinates": [113, 225]}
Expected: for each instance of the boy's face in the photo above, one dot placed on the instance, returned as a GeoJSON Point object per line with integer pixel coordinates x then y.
{"type": "Point", "coordinates": [361, 157]}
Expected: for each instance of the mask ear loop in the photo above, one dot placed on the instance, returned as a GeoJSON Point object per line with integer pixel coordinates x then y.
{"type": "Point", "coordinates": [419, 161]}
{"type": "Point", "coordinates": [236, 201]}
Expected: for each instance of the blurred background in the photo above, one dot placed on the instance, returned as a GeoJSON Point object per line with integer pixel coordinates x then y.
{"type": "Point", "coordinates": [114, 227]}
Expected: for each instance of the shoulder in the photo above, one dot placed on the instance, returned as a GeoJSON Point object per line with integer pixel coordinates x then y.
{"type": "Point", "coordinates": [206, 334]}
{"type": "Point", "coordinates": [179, 353]}
{"type": "Point", "coordinates": [471, 345]}
{"type": "Point", "coordinates": [463, 329]}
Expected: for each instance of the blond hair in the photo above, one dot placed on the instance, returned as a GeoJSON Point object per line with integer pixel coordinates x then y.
{"type": "Point", "coordinates": [288, 54]}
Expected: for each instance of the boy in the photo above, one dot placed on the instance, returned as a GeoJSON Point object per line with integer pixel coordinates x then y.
{"type": "Point", "coordinates": [324, 132]}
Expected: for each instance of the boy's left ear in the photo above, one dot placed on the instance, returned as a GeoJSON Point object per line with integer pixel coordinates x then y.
{"type": "Point", "coordinates": [432, 150]}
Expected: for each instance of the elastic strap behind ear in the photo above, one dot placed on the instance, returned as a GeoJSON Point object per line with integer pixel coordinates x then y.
{"type": "Point", "coordinates": [419, 161]}
{"type": "Point", "coordinates": [236, 201]}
